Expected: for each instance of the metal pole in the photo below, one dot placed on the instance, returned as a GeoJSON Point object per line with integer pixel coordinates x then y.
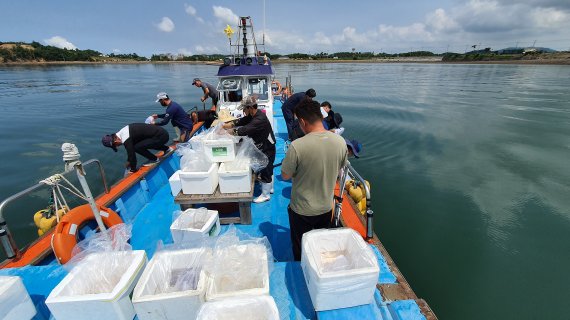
{"type": "Point", "coordinates": [90, 199]}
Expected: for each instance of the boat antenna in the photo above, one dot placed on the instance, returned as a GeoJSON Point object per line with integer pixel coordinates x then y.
{"type": "Point", "coordinates": [263, 37]}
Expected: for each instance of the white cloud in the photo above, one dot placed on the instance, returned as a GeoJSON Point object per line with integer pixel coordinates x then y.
{"type": "Point", "coordinates": [186, 52]}
{"type": "Point", "coordinates": [322, 39]}
{"type": "Point", "coordinates": [165, 25]}
{"type": "Point", "coordinates": [191, 11]}
{"type": "Point", "coordinates": [439, 21]}
{"type": "Point", "coordinates": [116, 51]}
{"type": "Point", "coordinates": [60, 42]}
{"type": "Point", "coordinates": [225, 15]}
{"type": "Point", "coordinates": [549, 17]}
{"type": "Point", "coordinates": [206, 49]}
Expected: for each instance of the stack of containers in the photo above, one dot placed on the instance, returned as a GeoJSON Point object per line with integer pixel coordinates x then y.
{"type": "Point", "coordinates": [340, 268]}
{"type": "Point", "coordinates": [98, 287]}
{"type": "Point", "coordinates": [173, 285]}
{"type": "Point", "coordinates": [15, 302]}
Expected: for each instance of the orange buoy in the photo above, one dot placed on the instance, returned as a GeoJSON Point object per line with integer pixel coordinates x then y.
{"type": "Point", "coordinates": [65, 235]}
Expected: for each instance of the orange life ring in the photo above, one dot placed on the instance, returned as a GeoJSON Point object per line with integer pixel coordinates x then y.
{"type": "Point", "coordinates": [65, 234]}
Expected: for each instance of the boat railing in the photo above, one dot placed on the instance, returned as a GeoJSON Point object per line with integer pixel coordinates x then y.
{"type": "Point", "coordinates": [6, 239]}
{"type": "Point", "coordinates": [347, 172]}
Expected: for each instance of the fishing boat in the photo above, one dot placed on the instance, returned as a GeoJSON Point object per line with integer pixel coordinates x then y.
{"type": "Point", "coordinates": [145, 201]}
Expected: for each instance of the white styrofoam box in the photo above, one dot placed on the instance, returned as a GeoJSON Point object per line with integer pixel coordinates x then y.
{"type": "Point", "coordinates": [200, 182]}
{"type": "Point", "coordinates": [220, 150]}
{"type": "Point", "coordinates": [186, 228]}
{"type": "Point", "coordinates": [242, 271]}
{"type": "Point", "coordinates": [260, 307]}
{"type": "Point", "coordinates": [340, 268]}
{"type": "Point", "coordinates": [98, 287]}
{"type": "Point", "coordinates": [172, 286]}
{"type": "Point", "coordinates": [234, 181]}
{"type": "Point", "coordinates": [15, 302]}
{"type": "Point", "coordinates": [175, 184]}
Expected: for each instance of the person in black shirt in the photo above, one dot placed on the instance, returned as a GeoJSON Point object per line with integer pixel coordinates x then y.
{"type": "Point", "coordinates": [293, 129]}
{"type": "Point", "coordinates": [256, 125]}
{"type": "Point", "coordinates": [138, 138]}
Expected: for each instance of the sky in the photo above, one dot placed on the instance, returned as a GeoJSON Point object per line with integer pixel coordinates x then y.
{"type": "Point", "coordinates": [193, 27]}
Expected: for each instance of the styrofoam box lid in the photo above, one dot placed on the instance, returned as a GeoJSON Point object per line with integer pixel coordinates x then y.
{"type": "Point", "coordinates": [175, 176]}
{"type": "Point", "coordinates": [260, 307]}
{"type": "Point", "coordinates": [187, 214]}
{"type": "Point", "coordinates": [223, 172]}
{"type": "Point", "coordinates": [13, 293]}
{"type": "Point", "coordinates": [191, 174]}
{"type": "Point", "coordinates": [317, 243]}
{"type": "Point", "coordinates": [218, 142]}
{"type": "Point", "coordinates": [92, 267]}
{"type": "Point", "coordinates": [162, 267]}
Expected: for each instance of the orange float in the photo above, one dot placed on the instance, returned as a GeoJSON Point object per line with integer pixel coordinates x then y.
{"type": "Point", "coordinates": [66, 231]}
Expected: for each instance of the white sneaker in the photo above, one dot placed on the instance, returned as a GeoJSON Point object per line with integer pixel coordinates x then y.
{"type": "Point", "coordinates": [261, 198]}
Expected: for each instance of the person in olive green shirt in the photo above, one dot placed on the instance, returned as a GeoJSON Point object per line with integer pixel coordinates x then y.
{"type": "Point", "coordinates": [313, 162]}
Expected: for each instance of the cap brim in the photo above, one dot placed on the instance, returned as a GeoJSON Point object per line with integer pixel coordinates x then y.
{"type": "Point", "coordinates": [354, 152]}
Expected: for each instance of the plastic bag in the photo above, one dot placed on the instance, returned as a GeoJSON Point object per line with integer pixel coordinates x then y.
{"type": "Point", "coordinates": [248, 155]}
{"type": "Point", "coordinates": [260, 307]}
{"type": "Point", "coordinates": [193, 160]}
{"type": "Point", "coordinates": [242, 266]}
{"type": "Point", "coordinates": [176, 268]}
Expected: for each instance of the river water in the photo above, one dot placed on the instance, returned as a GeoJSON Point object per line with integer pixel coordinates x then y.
{"type": "Point", "coordinates": [469, 164]}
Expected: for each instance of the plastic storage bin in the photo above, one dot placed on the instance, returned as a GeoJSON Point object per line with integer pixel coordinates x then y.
{"type": "Point", "coordinates": [245, 272]}
{"type": "Point", "coordinates": [340, 269]}
{"type": "Point", "coordinates": [200, 182]}
{"type": "Point", "coordinates": [98, 287]}
{"type": "Point", "coordinates": [175, 184]}
{"type": "Point", "coordinates": [15, 302]}
{"type": "Point", "coordinates": [192, 224]}
{"type": "Point", "coordinates": [220, 150]}
{"type": "Point", "coordinates": [172, 286]}
{"type": "Point", "coordinates": [234, 181]}
{"type": "Point", "coordinates": [260, 308]}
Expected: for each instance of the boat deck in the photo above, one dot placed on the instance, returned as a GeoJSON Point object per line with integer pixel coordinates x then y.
{"type": "Point", "coordinates": [149, 207]}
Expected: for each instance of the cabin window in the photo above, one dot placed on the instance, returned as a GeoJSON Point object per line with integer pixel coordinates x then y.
{"type": "Point", "coordinates": [258, 87]}
{"type": "Point", "coordinates": [233, 96]}
{"type": "Point", "coordinates": [229, 84]}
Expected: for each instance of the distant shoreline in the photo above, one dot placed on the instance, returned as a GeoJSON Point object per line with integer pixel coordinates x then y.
{"type": "Point", "coordinates": [291, 61]}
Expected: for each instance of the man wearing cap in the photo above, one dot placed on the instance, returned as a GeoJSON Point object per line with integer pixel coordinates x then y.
{"type": "Point", "coordinates": [256, 125]}
{"type": "Point", "coordinates": [138, 138]}
{"type": "Point", "coordinates": [288, 107]}
{"type": "Point", "coordinates": [174, 112]}
{"type": "Point", "coordinates": [209, 91]}
{"type": "Point", "coordinates": [313, 162]}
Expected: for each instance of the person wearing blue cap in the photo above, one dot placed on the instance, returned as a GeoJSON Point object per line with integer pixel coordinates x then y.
{"type": "Point", "coordinates": [354, 147]}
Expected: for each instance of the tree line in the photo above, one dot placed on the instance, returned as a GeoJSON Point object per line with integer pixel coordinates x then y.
{"type": "Point", "coordinates": [23, 52]}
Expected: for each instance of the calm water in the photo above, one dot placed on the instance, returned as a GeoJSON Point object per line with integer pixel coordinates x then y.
{"type": "Point", "coordinates": [469, 164]}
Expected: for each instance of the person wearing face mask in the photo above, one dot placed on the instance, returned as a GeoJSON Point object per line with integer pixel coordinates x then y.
{"type": "Point", "coordinates": [313, 163]}
{"type": "Point", "coordinates": [174, 112]}
{"type": "Point", "coordinates": [256, 125]}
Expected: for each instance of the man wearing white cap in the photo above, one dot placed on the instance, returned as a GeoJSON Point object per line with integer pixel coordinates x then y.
{"type": "Point", "coordinates": [175, 113]}
{"type": "Point", "coordinates": [255, 125]}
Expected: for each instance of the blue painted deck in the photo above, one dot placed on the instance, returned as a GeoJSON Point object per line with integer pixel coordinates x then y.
{"type": "Point", "coordinates": [149, 207]}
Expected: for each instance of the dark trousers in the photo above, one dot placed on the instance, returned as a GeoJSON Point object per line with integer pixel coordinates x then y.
{"type": "Point", "coordinates": [157, 142]}
{"type": "Point", "coordinates": [300, 224]}
{"type": "Point", "coordinates": [266, 174]}
{"type": "Point", "coordinates": [288, 116]}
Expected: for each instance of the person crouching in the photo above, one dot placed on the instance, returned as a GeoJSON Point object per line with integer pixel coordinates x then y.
{"type": "Point", "coordinates": [256, 125]}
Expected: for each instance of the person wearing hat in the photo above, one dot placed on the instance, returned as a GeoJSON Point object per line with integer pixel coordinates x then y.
{"type": "Point", "coordinates": [209, 91]}
{"type": "Point", "coordinates": [354, 147]}
{"type": "Point", "coordinates": [256, 125]}
{"type": "Point", "coordinates": [313, 163]}
{"type": "Point", "coordinates": [288, 107]}
{"type": "Point", "coordinates": [174, 112]}
{"type": "Point", "coordinates": [138, 138]}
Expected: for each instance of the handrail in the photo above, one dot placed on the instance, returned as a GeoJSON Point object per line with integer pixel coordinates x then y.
{"type": "Point", "coordinates": [350, 171]}
{"type": "Point", "coordinates": [6, 239]}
